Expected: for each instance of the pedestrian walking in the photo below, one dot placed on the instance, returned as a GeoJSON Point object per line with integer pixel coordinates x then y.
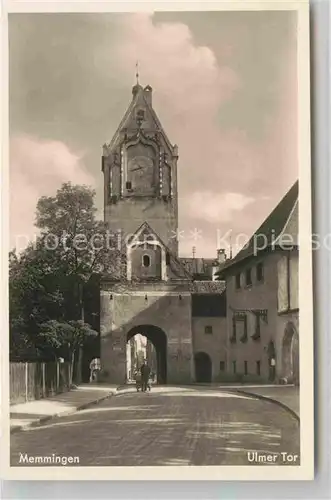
{"type": "Point", "coordinates": [137, 377]}
{"type": "Point", "coordinates": [95, 367]}
{"type": "Point", "coordinates": [145, 374]}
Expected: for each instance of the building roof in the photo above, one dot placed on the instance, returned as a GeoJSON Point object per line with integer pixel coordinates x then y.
{"type": "Point", "coordinates": [138, 100]}
{"type": "Point", "coordinates": [279, 228]}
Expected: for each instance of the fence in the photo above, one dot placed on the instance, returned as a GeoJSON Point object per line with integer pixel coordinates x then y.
{"type": "Point", "coordinates": [30, 381]}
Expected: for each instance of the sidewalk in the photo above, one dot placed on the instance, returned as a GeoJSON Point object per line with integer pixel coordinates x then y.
{"type": "Point", "coordinates": [285, 395]}
{"type": "Point", "coordinates": [28, 414]}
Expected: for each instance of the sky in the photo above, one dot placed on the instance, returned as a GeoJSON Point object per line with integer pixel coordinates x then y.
{"type": "Point", "coordinates": [224, 87]}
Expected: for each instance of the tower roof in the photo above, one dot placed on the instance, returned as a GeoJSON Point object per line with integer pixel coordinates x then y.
{"type": "Point", "coordinates": [141, 98]}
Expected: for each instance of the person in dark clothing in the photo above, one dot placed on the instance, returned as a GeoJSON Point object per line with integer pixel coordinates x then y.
{"type": "Point", "coordinates": [145, 373]}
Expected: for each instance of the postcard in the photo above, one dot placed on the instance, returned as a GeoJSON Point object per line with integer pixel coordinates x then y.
{"type": "Point", "coordinates": [158, 252]}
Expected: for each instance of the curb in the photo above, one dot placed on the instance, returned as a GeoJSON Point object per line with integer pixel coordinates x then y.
{"type": "Point", "coordinates": [84, 406]}
{"type": "Point", "coordinates": [270, 400]}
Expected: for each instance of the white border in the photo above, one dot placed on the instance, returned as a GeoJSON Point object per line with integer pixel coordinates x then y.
{"type": "Point", "coordinates": [306, 470]}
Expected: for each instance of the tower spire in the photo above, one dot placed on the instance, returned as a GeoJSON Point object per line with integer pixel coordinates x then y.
{"type": "Point", "coordinates": [137, 73]}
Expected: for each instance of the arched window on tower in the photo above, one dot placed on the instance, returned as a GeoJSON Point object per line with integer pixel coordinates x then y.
{"type": "Point", "coordinates": [146, 260]}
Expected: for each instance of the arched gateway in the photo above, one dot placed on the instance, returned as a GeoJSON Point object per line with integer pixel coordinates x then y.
{"type": "Point", "coordinates": [159, 340]}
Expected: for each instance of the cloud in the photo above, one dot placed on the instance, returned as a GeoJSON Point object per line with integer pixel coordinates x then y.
{"type": "Point", "coordinates": [216, 162]}
{"type": "Point", "coordinates": [38, 168]}
{"type": "Point", "coordinates": [187, 77]}
{"type": "Point", "coordinates": [232, 114]}
{"type": "Point", "coordinates": [206, 206]}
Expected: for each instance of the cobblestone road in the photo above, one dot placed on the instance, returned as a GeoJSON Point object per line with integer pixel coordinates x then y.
{"type": "Point", "coordinates": [169, 426]}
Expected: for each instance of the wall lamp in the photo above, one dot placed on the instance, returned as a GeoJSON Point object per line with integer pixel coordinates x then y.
{"type": "Point", "coordinates": [111, 297]}
{"type": "Point", "coordinates": [180, 297]}
{"type": "Point", "coordinates": [146, 298]}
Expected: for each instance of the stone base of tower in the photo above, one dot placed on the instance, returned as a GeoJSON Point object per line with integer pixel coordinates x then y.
{"type": "Point", "coordinates": [163, 316]}
{"type": "Point", "coordinates": [179, 371]}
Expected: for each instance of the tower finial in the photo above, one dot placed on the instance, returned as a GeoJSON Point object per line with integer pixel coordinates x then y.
{"type": "Point", "coordinates": [137, 73]}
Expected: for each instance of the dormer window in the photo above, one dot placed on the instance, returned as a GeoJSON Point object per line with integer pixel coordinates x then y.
{"type": "Point", "coordinates": [140, 116]}
{"type": "Point", "coordinates": [146, 260]}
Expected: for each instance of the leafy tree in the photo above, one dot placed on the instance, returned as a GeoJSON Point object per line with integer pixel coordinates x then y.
{"type": "Point", "coordinates": [82, 244]}
{"type": "Point", "coordinates": [47, 280]}
{"type": "Point", "coordinates": [34, 297]}
{"type": "Point", "coordinates": [65, 339]}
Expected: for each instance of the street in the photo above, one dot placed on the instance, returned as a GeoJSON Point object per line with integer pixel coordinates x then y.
{"type": "Point", "coordinates": [168, 426]}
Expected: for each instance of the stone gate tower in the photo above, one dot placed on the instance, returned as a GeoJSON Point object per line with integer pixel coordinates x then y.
{"type": "Point", "coordinates": [140, 173]}
{"type": "Point", "coordinates": [152, 297]}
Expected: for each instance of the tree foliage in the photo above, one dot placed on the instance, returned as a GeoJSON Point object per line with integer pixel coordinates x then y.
{"type": "Point", "coordinates": [65, 339]}
{"type": "Point", "coordinates": [47, 280]}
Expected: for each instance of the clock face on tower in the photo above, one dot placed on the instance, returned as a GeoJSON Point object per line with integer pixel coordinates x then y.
{"type": "Point", "coordinates": [141, 175]}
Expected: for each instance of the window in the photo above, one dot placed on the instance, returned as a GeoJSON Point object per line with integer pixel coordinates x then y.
{"type": "Point", "coordinates": [140, 114]}
{"type": "Point", "coordinates": [258, 367]}
{"type": "Point", "coordinates": [257, 332]}
{"type": "Point", "coordinates": [167, 258]}
{"type": "Point", "coordinates": [128, 185]}
{"type": "Point", "coordinates": [245, 367]}
{"type": "Point", "coordinates": [248, 277]}
{"type": "Point", "coordinates": [259, 272]}
{"type": "Point", "coordinates": [238, 280]}
{"type": "Point", "coordinates": [208, 329]}
{"type": "Point", "coordinates": [233, 338]}
{"type": "Point", "coordinates": [243, 319]}
{"type": "Point", "coordinates": [146, 261]}
{"type": "Point", "coordinates": [234, 364]}
{"type": "Point", "coordinates": [222, 366]}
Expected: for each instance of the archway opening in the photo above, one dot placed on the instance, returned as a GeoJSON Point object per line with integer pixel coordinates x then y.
{"type": "Point", "coordinates": [147, 342]}
{"type": "Point", "coordinates": [203, 367]}
{"type": "Point", "coordinates": [290, 355]}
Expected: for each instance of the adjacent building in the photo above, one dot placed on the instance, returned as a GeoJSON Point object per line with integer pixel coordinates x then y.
{"type": "Point", "coordinates": [262, 299]}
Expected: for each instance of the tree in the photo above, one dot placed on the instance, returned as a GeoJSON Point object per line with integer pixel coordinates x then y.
{"type": "Point", "coordinates": [47, 280]}
{"type": "Point", "coordinates": [79, 241]}
{"type": "Point", "coordinates": [34, 297]}
{"type": "Point", "coordinates": [65, 339]}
